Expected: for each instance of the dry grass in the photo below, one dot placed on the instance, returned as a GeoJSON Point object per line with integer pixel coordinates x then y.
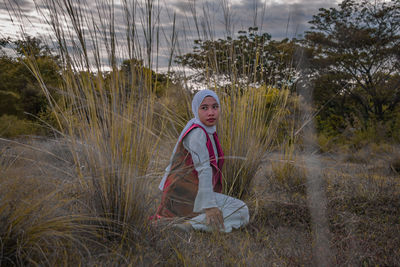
{"type": "Point", "coordinates": [85, 197]}
{"type": "Point", "coordinates": [363, 209]}
{"type": "Point", "coordinates": [248, 127]}
{"type": "Point", "coordinates": [40, 223]}
{"type": "Point", "coordinates": [363, 215]}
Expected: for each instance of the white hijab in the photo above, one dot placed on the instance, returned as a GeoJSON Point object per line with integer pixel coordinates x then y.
{"type": "Point", "coordinates": [196, 102]}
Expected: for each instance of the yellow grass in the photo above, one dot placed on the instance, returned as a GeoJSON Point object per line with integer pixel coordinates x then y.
{"type": "Point", "coordinates": [93, 209]}
{"type": "Point", "coordinates": [248, 129]}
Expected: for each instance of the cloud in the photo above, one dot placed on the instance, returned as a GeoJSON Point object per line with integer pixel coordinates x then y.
{"type": "Point", "coordinates": [23, 5]}
{"type": "Point", "coordinates": [279, 18]}
{"type": "Point", "coordinates": [194, 19]}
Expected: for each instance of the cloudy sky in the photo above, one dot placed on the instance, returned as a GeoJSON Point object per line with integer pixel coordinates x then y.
{"type": "Point", "coordinates": [280, 18]}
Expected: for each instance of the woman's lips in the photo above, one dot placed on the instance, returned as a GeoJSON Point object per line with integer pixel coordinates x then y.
{"type": "Point", "coordinates": [210, 120]}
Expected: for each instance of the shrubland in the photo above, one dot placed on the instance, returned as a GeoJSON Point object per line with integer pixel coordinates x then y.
{"type": "Point", "coordinates": [84, 195]}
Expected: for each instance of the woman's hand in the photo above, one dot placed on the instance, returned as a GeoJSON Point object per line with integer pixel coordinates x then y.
{"type": "Point", "coordinates": [214, 218]}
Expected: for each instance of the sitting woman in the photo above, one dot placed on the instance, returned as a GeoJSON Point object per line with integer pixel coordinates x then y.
{"type": "Point", "coordinates": [192, 184]}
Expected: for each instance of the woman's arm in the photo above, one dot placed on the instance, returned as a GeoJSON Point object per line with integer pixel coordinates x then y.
{"type": "Point", "coordinates": [195, 143]}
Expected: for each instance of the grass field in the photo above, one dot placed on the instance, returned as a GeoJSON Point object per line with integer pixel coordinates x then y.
{"type": "Point", "coordinates": [44, 219]}
{"type": "Point", "coordinates": [84, 199]}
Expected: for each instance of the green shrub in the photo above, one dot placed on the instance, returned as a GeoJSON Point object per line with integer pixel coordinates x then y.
{"type": "Point", "coordinates": [326, 143]}
{"type": "Point", "coordinates": [289, 176]}
{"type": "Point", "coordinates": [332, 125]}
{"type": "Point", "coordinates": [12, 126]}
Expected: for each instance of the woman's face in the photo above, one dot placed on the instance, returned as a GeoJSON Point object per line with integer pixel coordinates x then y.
{"type": "Point", "coordinates": [209, 111]}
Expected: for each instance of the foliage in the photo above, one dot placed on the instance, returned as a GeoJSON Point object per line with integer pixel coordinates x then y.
{"type": "Point", "coordinates": [12, 126]}
{"type": "Point", "coordinates": [20, 91]}
{"type": "Point", "coordinates": [354, 60]}
{"type": "Point", "coordinates": [137, 75]}
{"type": "Point", "coordinates": [250, 58]}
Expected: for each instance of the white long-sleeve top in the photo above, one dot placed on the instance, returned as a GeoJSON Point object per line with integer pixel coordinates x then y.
{"type": "Point", "coordinates": [195, 142]}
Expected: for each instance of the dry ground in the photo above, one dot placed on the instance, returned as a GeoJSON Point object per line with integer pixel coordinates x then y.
{"type": "Point", "coordinates": [362, 189]}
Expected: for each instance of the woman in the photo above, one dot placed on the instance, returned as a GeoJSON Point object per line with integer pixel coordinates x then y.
{"type": "Point", "coordinates": [192, 184]}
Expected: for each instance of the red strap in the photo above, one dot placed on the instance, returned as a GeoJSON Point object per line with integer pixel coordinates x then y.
{"type": "Point", "coordinates": [217, 177]}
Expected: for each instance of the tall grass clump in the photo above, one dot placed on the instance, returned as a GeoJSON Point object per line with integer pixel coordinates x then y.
{"type": "Point", "coordinates": [37, 224]}
{"type": "Point", "coordinates": [106, 112]}
{"type": "Point", "coordinates": [113, 143]}
{"type": "Point", "coordinates": [249, 127]}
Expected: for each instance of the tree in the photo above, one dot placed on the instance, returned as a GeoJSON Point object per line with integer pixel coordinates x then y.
{"type": "Point", "coordinates": [251, 58]}
{"type": "Point", "coordinates": [31, 46]}
{"type": "Point", "coordinates": [20, 91]}
{"type": "Point", "coordinates": [354, 58]}
{"type": "Point", "coordinates": [140, 77]}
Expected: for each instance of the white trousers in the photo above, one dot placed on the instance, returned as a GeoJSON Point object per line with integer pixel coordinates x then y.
{"type": "Point", "coordinates": [234, 211]}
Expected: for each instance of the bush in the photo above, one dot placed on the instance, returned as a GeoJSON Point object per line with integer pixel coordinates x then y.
{"type": "Point", "coordinates": [325, 143]}
{"type": "Point", "coordinates": [332, 125]}
{"type": "Point", "coordinates": [249, 128]}
{"type": "Point", "coordinates": [289, 176]}
{"type": "Point", "coordinates": [12, 126]}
